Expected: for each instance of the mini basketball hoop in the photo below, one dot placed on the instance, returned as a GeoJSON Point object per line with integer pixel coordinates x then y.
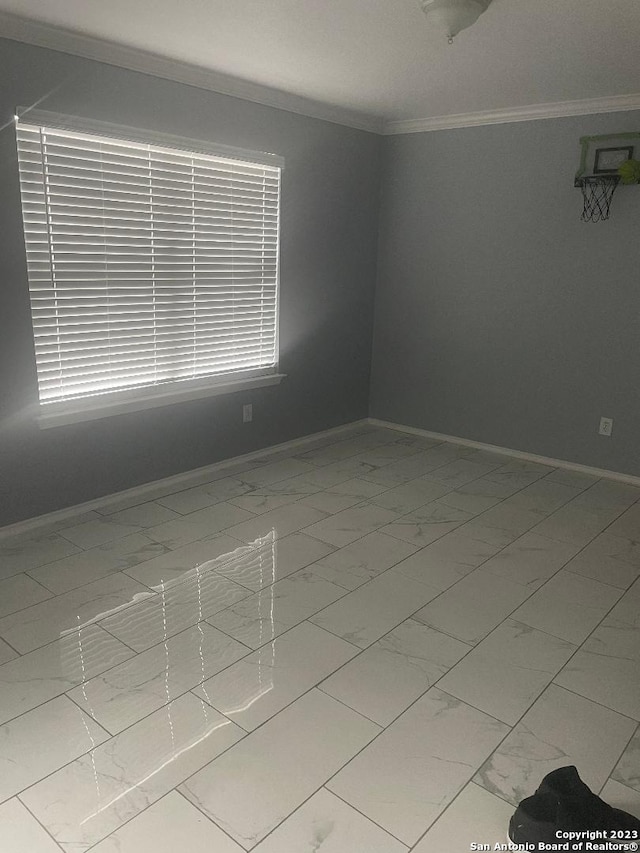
{"type": "Point", "coordinates": [598, 175]}
{"type": "Point", "coordinates": [597, 192]}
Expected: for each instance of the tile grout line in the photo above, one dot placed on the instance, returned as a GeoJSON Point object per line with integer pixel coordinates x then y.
{"type": "Point", "coordinates": [624, 510]}
{"type": "Point", "coordinates": [348, 591]}
{"type": "Point", "coordinates": [364, 501]}
{"type": "Point", "coordinates": [380, 574]}
{"type": "Point", "coordinates": [43, 827]}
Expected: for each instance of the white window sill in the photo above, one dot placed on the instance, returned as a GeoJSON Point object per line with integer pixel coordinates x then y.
{"type": "Point", "coordinates": [106, 405]}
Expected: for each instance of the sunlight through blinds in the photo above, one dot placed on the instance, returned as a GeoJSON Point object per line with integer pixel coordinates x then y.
{"type": "Point", "coordinates": [146, 264]}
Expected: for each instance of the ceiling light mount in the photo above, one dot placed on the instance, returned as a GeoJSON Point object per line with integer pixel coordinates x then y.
{"type": "Point", "coordinates": [451, 16]}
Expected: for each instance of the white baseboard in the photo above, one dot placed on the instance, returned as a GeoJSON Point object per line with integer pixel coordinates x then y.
{"type": "Point", "coordinates": [177, 480]}
{"type": "Point", "coordinates": [183, 479]}
{"type": "Point", "coordinates": [518, 454]}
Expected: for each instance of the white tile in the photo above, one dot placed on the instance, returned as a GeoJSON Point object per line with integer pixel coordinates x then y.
{"type": "Point", "coordinates": [174, 565]}
{"type": "Point", "coordinates": [165, 827]}
{"type": "Point", "coordinates": [468, 500]}
{"type": "Point", "coordinates": [132, 498]}
{"type": "Point", "coordinates": [607, 666]}
{"type": "Point", "coordinates": [531, 560]}
{"type": "Point", "coordinates": [41, 741]}
{"type": "Point", "coordinates": [602, 671]}
{"type": "Point", "coordinates": [20, 591]}
{"type": "Point", "coordinates": [608, 495]}
{"type": "Point", "coordinates": [415, 768]}
{"type": "Point", "coordinates": [89, 534]}
{"type": "Point", "coordinates": [259, 504]}
{"type": "Point", "coordinates": [21, 553]}
{"type": "Point", "coordinates": [410, 496]}
{"type": "Point", "coordinates": [473, 607]}
{"type": "Point", "coordinates": [387, 453]}
{"type": "Point", "coordinates": [350, 524]}
{"type": "Point", "coordinates": [507, 671]}
{"type": "Point", "coordinates": [144, 515]}
{"type": "Point", "coordinates": [520, 471]}
{"type": "Point", "coordinates": [326, 454]}
{"type": "Point", "coordinates": [177, 606]}
{"type": "Point", "coordinates": [627, 770]}
{"type": "Point", "coordinates": [264, 498]}
{"type": "Point", "coordinates": [325, 823]}
{"type": "Point", "coordinates": [21, 833]}
{"type": "Point", "coordinates": [41, 624]}
{"type": "Point", "coordinates": [436, 457]}
{"type": "Point", "coordinates": [621, 797]}
{"type": "Point", "coordinates": [41, 675]}
{"type": "Point", "coordinates": [91, 797]}
{"type": "Point", "coordinates": [293, 487]}
{"type": "Point", "coordinates": [161, 490]}
{"type": "Point", "coordinates": [6, 653]}
{"type": "Point", "coordinates": [511, 519]}
{"type": "Point", "coordinates": [69, 518]}
{"type": "Point", "coordinates": [128, 692]}
{"type": "Point", "coordinates": [387, 677]}
{"type": "Point", "coordinates": [263, 683]}
{"type": "Point", "coordinates": [474, 816]}
{"type": "Point", "coordinates": [273, 610]}
{"type": "Point", "coordinates": [572, 478]}
{"type": "Point", "coordinates": [427, 524]}
{"type": "Point", "coordinates": [255, 785]}
{"type": "Point", "coordinates": [456, 474]}
{"type": "Point", "coordinates": [419, 442]}
{"type": "Point", "coordinates": [610, 559]}
{"type": "Point", "coordinates": [447, 560]}
{"type": "Point", "coordinates": [559, 729]}
{"type": "Point", "coordinates": [279, 522]}
{"type": "Point", "coordinates": [274, 472]}
{"type": "Point", "coordinates": [568, 606]}
{"type": "Point", "coordinates": [319, 478]}
{"type": "Point", "coordinates": [495, 536]}
{"type": "Point", "coordinates": [574, 524]}
{"type": "Point", "coordinates": [92, 565]}
{"type": "Point", "coordinates": [627, 525]}
{"type": "Point", "coordinates": [342, 496]}
{"type": "Point", "coordinates": [198, 525]}
{"type": "Point", "coordinates": [363, 560]}
{"type": "Point", "coordinates": [237, 469]}
{"type": "Point", "coordinates": [272, 559]}
{"type": "Point", "coordinates": [545, 496]}
{"type": "Point", "coordinates": [61, 523]}
{"type": "Point", "coordinates": [199, 497]}
{"type": "Point", "coordinates": [493, 487]}
{"type": "Point", "coordinates": [370, 611]}
{"type": "Point", "coordinates": [388, 475]}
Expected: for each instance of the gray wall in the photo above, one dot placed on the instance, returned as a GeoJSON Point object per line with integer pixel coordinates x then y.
{"type": "Point", "coordinates": [500, 316]}
{"type": "Point", "coordinates": [330, 196]}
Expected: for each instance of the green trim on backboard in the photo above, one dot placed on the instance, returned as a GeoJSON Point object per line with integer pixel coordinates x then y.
{"type": "Point", "coordinates": [587, 141]}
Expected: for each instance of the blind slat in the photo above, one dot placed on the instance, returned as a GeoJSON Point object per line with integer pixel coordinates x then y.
{"type": "Point", "coordinates": [146, 264]}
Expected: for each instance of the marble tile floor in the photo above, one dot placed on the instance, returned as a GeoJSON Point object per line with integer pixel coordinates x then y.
{"type": "Point", "coordinates": [373, 643]}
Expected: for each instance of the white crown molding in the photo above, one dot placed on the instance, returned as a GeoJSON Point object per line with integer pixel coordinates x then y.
{"type": "Point", "coordinates": [601, 473]}
{"type": "Point", "coordinates": [561, 109]}
{"type": "Point", "coordinates": [55, 38]}
{"type": "Point", "coordinates": [88, 47]}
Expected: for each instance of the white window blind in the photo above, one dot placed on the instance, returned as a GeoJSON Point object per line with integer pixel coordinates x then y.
{"type": "Point", "coordinates": [147, 264]}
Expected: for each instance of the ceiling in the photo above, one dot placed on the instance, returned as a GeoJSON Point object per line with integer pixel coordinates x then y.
{"type": "Point", "coordinates": [375, 63]}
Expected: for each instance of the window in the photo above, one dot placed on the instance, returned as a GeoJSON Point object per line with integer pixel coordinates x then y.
{"type": "Point", "coordinates": [152, 265]}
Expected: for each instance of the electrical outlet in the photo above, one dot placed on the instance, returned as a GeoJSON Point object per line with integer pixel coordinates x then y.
{"type": "Point", "coordinates": [606, 426]}
{"type": "Point", "coordinates": [247, 413]}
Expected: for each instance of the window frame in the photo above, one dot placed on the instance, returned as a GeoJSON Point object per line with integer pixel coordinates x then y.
{"type": "Point", "coordinates": [115, 402]}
